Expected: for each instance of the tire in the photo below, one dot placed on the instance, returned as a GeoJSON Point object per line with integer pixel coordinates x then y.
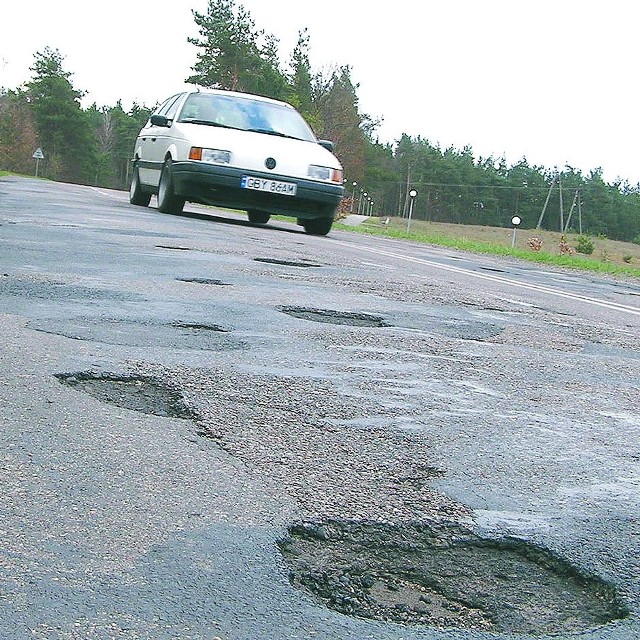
{"type": "Point", "coordinates": [258, 217]}
{"type": "Point", "coordinates": [136, 194]}
{"type": "Point", "coordinates": [318, 226]}
{"type": "Point", "coordinates": [168, 202]}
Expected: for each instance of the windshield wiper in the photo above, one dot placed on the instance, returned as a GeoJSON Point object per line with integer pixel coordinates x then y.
{"type": "Point", "coordinates": [207, 122]}
{"type": "Point", "coordinates": [271, 132]}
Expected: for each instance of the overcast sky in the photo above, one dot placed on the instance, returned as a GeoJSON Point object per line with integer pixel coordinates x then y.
{"type": "Point", "coordinates": [554, 81]}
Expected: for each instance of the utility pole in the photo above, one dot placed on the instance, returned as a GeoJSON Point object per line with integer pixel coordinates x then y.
{"type": "Point", "coordinates": [580, 213]}
{"type": "Point", "coordinates": [561, 204]}
{"type": "Point", "coordinates": [546, 202]}
{"type": "Point", "coordinates": [573, 205]}
{"type": "Point", "coordinates": [406, 197]}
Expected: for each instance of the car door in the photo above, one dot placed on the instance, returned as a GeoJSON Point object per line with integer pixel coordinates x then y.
{"type": "Point", "coordinates": [156, 140]}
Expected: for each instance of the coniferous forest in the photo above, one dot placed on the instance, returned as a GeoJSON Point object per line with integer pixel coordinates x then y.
{"type": "Point", "coordinates": [93, 145]}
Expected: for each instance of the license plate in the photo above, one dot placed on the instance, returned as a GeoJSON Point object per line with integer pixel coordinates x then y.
{"type": "Point", "coordinates": [271, 186]}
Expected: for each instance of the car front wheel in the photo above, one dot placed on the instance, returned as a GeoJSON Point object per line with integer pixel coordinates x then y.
{"type": "Point", "coordinates": [258, 217]}
{"type": "Point", "coordinates": [318, 226]}
{"type": "Point", "coordinates": [168, 202]}
{"type": "Point", "coordinates": [136, 194]}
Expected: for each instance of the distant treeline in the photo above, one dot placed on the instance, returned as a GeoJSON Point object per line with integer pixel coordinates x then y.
{"type": "Point", "coordinates": [94, 145]}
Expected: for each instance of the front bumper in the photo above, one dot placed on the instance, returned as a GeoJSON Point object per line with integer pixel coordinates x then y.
{"type": "Point", "coordinates": [220, 185]}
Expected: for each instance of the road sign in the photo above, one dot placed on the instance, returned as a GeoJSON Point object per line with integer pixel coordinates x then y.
{"type": "Point", "coordinates": [38, 155]}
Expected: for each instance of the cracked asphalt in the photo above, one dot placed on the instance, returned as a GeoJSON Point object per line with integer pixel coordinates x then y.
{"type": "Point", "coordinates": [492, 395]}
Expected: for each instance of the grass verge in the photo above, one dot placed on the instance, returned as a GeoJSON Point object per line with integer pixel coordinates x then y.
{"type": "Point", "coordinates": [613, 258]}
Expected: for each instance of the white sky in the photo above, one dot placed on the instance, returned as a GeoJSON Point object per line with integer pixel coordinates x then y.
{"type": "Point", "coordinates": [552, 80]}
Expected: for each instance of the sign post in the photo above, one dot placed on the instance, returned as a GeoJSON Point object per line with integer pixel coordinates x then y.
{"type": "Point", "coordinates": [38, 155]}
{"type": "Point", "coordinates": [412, 194]}
{"type": "Point", "coordinates": [515, 221]}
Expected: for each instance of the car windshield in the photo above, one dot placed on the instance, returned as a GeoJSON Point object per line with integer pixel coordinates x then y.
{"type": "Point", "coordinates": [247, 114]}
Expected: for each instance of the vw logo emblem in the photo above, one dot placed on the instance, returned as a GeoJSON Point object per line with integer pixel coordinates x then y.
{"type": "Point", "coordinates": [270, 163]}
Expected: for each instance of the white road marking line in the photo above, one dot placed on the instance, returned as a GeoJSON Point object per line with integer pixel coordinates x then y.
{"type": "Point", "coordinates": [501, 279]}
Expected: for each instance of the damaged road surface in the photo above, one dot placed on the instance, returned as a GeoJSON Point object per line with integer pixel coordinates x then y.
{"type": "Point", "coordinates": [212, 430]}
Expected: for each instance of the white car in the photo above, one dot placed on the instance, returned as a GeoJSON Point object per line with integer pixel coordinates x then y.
{"type": "Point", "coordinates": [239, 151]}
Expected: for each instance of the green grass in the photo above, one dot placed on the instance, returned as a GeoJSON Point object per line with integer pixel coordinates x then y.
{"type": "Point", "coordinates": [576, 261]}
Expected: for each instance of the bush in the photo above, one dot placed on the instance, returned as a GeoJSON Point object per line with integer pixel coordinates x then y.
{"type": "Point", "coordinates": [636, 240]}
{"type": "Point", "coordinates": [627, 258]}
{"type": "Point", "coordinates": [585, 245]}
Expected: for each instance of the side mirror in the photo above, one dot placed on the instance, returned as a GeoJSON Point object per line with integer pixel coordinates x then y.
{"type": "Point", "coordinates": [327, 144]}
{"type": "Point", "coordinates": [160, 121]}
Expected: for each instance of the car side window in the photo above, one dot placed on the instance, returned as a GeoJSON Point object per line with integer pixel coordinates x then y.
{"type": "Point", "coordinates": [173, 107]}
{"type": "Point", "coordinates": [170, 106]}
{"type": "Point", "coordinates": [165, 105]}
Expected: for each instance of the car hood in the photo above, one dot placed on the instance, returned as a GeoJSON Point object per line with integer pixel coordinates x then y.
{"type": "Point", "coordinates": [250, 150]}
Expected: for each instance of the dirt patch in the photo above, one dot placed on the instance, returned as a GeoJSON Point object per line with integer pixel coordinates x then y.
{"type": "Point", "coordinates": [138, 394]}
{"type": "Point", "coordinates": [445, 576]}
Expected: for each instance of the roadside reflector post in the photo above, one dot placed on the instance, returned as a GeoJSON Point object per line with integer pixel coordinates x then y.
{"type": "Point", "coordinates": [515, 221]}
{"type": "Point", "coordinates": [412, 195]}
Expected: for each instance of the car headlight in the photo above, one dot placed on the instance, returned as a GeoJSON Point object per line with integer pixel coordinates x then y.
{"type": "Point", "coordinates": [214, 156]}
{"type": "Point", "coordinates": [325, 173]}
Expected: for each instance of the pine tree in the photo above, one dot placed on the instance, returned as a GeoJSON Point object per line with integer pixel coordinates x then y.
{"type": "Point", "coordinates": [62, 126]}
{"type": "Point", "coordinates": [335, 102]}
{"type": "Point", "coordinates": [233, 54]}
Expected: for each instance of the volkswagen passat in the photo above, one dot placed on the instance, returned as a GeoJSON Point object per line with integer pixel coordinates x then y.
{"type": "Point", "coordinates": [239, 151]}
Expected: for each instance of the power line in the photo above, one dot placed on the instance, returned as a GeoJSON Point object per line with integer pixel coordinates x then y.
{"type": "Point", "coordinates": [473, 186]}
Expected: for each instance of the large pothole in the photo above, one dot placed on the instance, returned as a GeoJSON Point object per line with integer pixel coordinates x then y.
{"type": "Point", "coordinates": [289, 263]}
{"type": "Point", "coordinates": [445, 576]}
{"type": "Point", "coordinates": [349, 318]}
{"type": "Point", "coordinates": [129, 392]}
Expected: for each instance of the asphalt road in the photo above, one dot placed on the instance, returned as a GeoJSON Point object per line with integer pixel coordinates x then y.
{"type": "Point", "coordinates": [344, 378]}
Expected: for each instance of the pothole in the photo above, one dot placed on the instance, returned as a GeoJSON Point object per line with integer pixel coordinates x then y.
{"type": "Point", "coordinates": [131, 232]}
{"type": "Point", "coordinates": [34, 287]}
{"type": "Point", "coordinates": [199, 327]}
{"type": "Point", "coordinates": [210, 281]}
{"type": "Point", "coordinates": [130, 392]}
{"type": "Point", "coordinates": [470, 330]}
{"type": "Point", "coordinates": [336, 317]}
{"type": "Point", "coordinates": [446, 577]}
{"type": "Point", "coordinates": [143, 333]}
{"type": "Point", "coordinates": [288, 263]}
